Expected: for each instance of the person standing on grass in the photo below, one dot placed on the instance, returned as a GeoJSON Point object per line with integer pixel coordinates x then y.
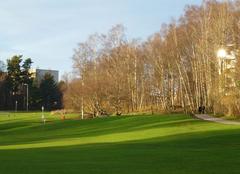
{"type": "Point", "coordinates": [200, 109]}
{"type": "Point", "coordinates": [203, 110]}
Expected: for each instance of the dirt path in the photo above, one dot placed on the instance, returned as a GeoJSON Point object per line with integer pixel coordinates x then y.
{"type": "Point", "coordinates": [217, 120]}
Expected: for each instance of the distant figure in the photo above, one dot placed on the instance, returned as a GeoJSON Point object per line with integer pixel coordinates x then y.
{"type": "Point", "coordinates": [200, 110]}
{"type": "Point", "coordinates": [119, 114]}
{"type": "Point", "coordinates": [203, 110]}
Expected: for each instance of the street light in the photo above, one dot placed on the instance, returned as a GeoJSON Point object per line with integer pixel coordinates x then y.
{"type": "Point", "coordinates": [222, 53]}
{"type": "Point", "coordinates": [16, 106]}
{"type": "Point", "coordinates": [25, 84]}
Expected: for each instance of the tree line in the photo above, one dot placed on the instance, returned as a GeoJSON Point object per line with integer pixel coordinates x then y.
{"type": "Point", "coordinates": [19, 90]}
{"type": "Point", "coordinates": [176, 69]}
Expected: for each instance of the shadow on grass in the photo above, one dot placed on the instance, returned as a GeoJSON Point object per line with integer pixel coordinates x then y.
{"type": "Point", "coordinates": [210, 152]}
{"type": "Point", "coordinates": [25, 132]}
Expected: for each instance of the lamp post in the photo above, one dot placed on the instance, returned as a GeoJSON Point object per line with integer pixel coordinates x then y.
{"type": "Point", "coordinates": [227, 65]}
{"type": "Point", "coordinates": [222, 53]}
{"type": "Point", "coordinates": [27, 93]}
{"type": "Point", "coordinates": [16, 106]}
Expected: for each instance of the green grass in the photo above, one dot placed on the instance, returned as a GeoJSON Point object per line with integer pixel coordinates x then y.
{"type": "Point", "coordinates": [117, 145]}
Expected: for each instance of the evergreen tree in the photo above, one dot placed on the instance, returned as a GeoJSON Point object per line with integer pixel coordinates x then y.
{"type": "Point", "coordinates": [18, 76]}
{"type": "Point", "coordinates": [50, 93]}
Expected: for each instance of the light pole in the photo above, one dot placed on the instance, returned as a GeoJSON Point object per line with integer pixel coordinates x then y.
{"type": "Point", "coordinates": [27, 94]}
{"type": "Point", "coordinates": [222, 53]}
{"type": "Point", "coordinates": [227, 65]}
{"type": "Point", "coordinates": [16, 106]}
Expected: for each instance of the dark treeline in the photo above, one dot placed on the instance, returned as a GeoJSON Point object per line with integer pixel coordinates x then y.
{"type": "Point", "coordinates": [18, 88]}
{"type": "Point", "coordinates": [175, 69]}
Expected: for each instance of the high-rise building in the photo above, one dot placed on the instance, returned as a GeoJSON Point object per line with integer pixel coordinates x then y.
{"type": "Point", "coordinates": [39, 74]}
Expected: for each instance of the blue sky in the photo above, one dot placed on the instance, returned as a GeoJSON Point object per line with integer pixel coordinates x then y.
{"type": "Point", "coordinates": [49, 30]}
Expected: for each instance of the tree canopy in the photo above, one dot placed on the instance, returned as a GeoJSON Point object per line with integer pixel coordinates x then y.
{"type": "Point", "coordinates": [176, 68]}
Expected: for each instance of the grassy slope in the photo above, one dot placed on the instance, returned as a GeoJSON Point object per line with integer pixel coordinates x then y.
{"type": "Point", "coordinates": [143, 145]}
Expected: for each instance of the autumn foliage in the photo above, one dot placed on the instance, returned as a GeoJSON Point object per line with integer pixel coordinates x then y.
{"type": "Point", "coordinates": [176, 69]}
